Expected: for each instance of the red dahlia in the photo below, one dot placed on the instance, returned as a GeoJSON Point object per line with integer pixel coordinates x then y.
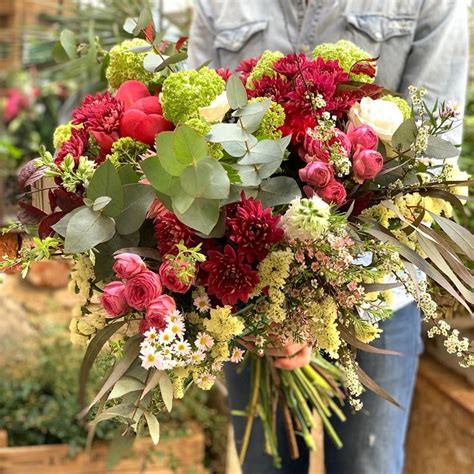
{"type": "Point", "coordinates": [230, 279]}
{"type": "Point", "coordinates": [76, 145]}
{"type": "Point", "coordinates": [246, 67]}
{"type": "Point", "coordinates": [254, 229]}
{"type": "Point", "coordinates": [276, 88]}
{"type": "Point", "coordinates": [101, 113]}
{"type": "Point", "coordinates": [169, 231]}
{"type": "Point", "coordinates": [292, 65]}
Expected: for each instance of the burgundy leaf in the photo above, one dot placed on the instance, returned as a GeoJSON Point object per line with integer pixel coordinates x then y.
{"type": "Point", "coordinates": [28, 214]}
{"type": "Point", "coordinates": [45, 226]}
{"type": "Point", "coordinates": [29, 174]}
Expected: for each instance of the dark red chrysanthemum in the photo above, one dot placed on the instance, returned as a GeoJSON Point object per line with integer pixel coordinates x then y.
{"type": "Point", "coordinates": [169, 231]}
{"type": "Point", "coordinates": [76, 145]}
{"type": "Point", "coordinates": [246, 67]}
{"type": "Point", "coordinates": [276, 88]}
{"type": "Point", "coordinates": [101, 113]}
{"type": "Point", "coordinates": [254, 229]}
{"type": "Point", "coordinates": [230, 279]}
{"type": "Point", "coordinates": [224, 72]}
{"type": "Point", "coordinates": [292, 65]}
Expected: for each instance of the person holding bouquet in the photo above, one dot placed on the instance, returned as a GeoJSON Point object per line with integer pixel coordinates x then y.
{"type": "Point", "coordinates": [418, 42]}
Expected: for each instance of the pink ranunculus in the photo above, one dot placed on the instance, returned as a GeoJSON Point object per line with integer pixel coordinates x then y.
{"type": "Point", "coordinates": [113, 299]}
{"type": "Point", "coordinates": [128, 265]}
{"type": "Point", "coordinates": [316, 173]}
{"type": "Point", "coordinates": [343, 139]}
{"type": "Point", "coordinates": [169, 276]}
{"type": "Point", "coordinates": [156, 312]}
{"type": "Point", "coordinates": [142, 289]}
{"type": "Point", "coordinates": [366, 164]}
{"type": "Point", "coordinates": [363, 136]}
{"type": "Point", "coordinates": [334, 192]}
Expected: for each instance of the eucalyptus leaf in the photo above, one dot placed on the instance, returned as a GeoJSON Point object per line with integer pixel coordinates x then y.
{"type": "Point", "coordinates": [252, 114]}
{"type": "Point", "coordinates": [159, 178]}
{"type": "Point", "coordinates": [152, 61]}
{"type": "Point", "coordinates": [405, 135]}
{"type": "Point", "coordinates": [128, 175]}
{"type": "Point", "coordinates": [440, 149]}
{"type": "Point", "coordinates": [278, 191]}
{"type": "Point", "coordinates": [238, 149]}
{"type": "Point", "coordinates": [152, 382]}
{"type": "Point", "coordinates": [125, 385]}
{"type": "Point", "coordinates": [167, 155]}
{"type": "Point", "coordinates": [86, 229]}
{"type": "Point", "coordinates": [248, 175]}
{"type": "Point", "coordinates": [175, 58]}
{"type": "Point", "coordinates": [68, 41]}
{"type": "Point", "coordinates": [123, 410]}
{"type": "Point", "coordinates": [236, 93]}
{"type": "Point", "coordinates": [226, 132]}
{"type": "Point", "coordinates": [137, 200]}
{"type": "Point", "coordinates": [189, 146]}
{"type": "Point", "coordinates": [166, 389]}
{"type": "Point", "coordinates": [119, 448]}
{"type": "Point", "coordinates": [153, 427]}
{"type": "Point", "coordinates": [101, 202]}
{"type": "Point", "coordinates": [61, 226]}
{"type": "Point", "coordinates": [106, 182]}
{"type": "Point", "coordinates": [265, 151]}
{"type": "Point", "coordinates": [202, 216]}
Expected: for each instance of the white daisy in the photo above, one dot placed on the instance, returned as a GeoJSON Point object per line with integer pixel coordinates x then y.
{"type": "Point", "coordinates": [237, 355]}
{"type": "Point", "coordinates": [167, 337]}
{"type": "Point", "coordinates": [181, 347]}
{"type": "Point", "coordinates": [204, 341]}
{"type": "Point", "coordinates": [149, 357]}
{"type": "Point", "coordinates": [151, 334]}
{"type": "Point", "coordinates": [166, 352]}
{"type": "Point", "coordinates": [176, 328]}
{"type": "Point", "coordinates": [201, 302]}
{"type": "Point", "coordinates": [197, 357]}
{"type": "Point", "coordinates": [205, 381]}
{"type": "Point", "coordinates": [174, 317]}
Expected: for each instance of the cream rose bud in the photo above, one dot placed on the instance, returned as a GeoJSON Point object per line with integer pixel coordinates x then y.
{"type": "Point", "coordinates": [383, 116]}
{"type": "Point", "coordinates": [217, 110]}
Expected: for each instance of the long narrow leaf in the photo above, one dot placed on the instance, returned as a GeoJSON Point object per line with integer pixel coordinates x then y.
{"type": "Point", "coordinates": [353, 341]}
{"type": "Point", "coordinates": [374, 387]}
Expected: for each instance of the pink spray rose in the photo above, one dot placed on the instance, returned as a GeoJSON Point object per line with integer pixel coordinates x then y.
{"type": "Point", "coordinates": [128, 265]}
{"type": "Point", "coordinates": [366, 164]}
{"type": "Point", "coordinates": [343, 139]}
{"type": "Point", "coordinates": [156, 312]}
{"type": "Point", "coordinates": [363, 136]}
{"type": "Point", "coordinates": [113, 299]}
{"type": "Point", "coordinates": [169, 276]}
{"type": "Point", "coordinates": [317, 173]}
{"type": "Point", "coordinates": [334, 192]}
{"type": "Point", "coordinates": [142, 289]}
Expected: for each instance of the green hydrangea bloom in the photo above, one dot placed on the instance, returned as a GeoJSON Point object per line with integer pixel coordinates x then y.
{"type": "Point", "coordinates": [401, 103]}
{"type": "Point", "coordinates": [347, 53]}
{"type": "Point", "coordinates": [126, 150]}
{"type": "Point", "coordinates": [184, 92]}
{"type": "Point", "coordinates": [273, 119]}
{"type": "Point", "coordinates": [125, 65]}
{"type": "Point", "coordinates": [203, 128]}
{"type": "Point", "coordinates": [62, 134]}
{"type": "Point", "coordinates": [264, 67]}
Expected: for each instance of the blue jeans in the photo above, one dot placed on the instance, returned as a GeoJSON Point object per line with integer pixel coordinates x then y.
{"type": "Point", "coordinates": [373, 438]}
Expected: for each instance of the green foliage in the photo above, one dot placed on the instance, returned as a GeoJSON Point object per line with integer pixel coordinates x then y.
{"type": "Point", "coordinates": [184, 92]}
{"type": "Point", "coordinates": [264, 66]}
{"type": "Point", "coordinates": [126, 150]}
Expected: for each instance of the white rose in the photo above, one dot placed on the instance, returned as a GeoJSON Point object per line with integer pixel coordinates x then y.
{"type": "Point", "coordinates": [216, 111]}
{"type": "Point", "coordinates": [383, 116]}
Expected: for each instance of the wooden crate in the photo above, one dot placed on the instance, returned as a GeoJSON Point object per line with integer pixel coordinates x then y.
{"type": "Point", "coordinates": [182, 455]}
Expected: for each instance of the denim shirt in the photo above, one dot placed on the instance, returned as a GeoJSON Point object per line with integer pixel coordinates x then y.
{"type": "Point", "coordinates": [418, 42]}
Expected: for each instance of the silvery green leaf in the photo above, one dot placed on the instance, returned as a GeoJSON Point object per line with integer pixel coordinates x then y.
{"type": "Point", "coordinates": [248, 175]}
{"type": "Point", "coordinates": [86, 229]}
{"type": "Point", "coordinates": [266, 170]}
{"type": "Point", "coordinates": [141, 49]}
{"type": "Point", "coordinates": [285, 142]}
{"type": "Point", "coordinates": [166, 389]}
{"type": "Point", "coordinates": [226, 132]}
{"type": "Point", "coordinates": [405, 135]}
{"type": "Point", "coordinates": [130, 25]}
{"type": "Point", "coordinates": [125, 385]}
{"type": "Point", "coordinates": [202, 215]}
{"type": "Point", "coordinates": [238, 149]}
{"type": "Point", "coordinates": [236, 93]}
{"type": "Point", "coordinates": [278, 191]}
{"type": "Point", "coordinates": [440, 148]}
{"type": "Point", "coordinates": [265, 151]}
{"type": "Point", "coordinates": [61, 226]}
{"type": "Point", "coordinates": [153, 427]}
{"type": "Point", "coordinates": [189, 146]}
{"type": "Point", "coordinates": [152, 61]}
{"type": "Point", "coordinates": [159, 178]}
{"type": "Point", "coordinates": [100, 203]}
{"type": "Point", "coordinates": [69, 43]}
{"type": "Point", "coordinates": [235, 192]}
{"type": "Point", "coordinates": [252, 114]}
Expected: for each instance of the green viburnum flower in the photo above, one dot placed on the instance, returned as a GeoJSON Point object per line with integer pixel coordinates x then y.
{"type": "Point", "coordinates": [347, 53]}
{"type": "Point", "coordinates": [62, 134]}
{"type": "Point", "coordinates": [202, 127]}
{"type": "Point", "coordinates": [401, 103]}
{"type": "Point", "coordinates": [264, 67]}
{"type": "Point", "coordinates": [126, 150]}
{"type": "Point", "coordinates": [271, 122]}
{"type": "Point", "coordinates": [125, 65]}
{"type": "Point", "coordinates": [184, 92]}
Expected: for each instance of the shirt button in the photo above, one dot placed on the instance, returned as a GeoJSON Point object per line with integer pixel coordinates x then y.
{"type": "Point", "coordinates": [379, 36]}
{"type": "Point", "coordinates": [236, 44]}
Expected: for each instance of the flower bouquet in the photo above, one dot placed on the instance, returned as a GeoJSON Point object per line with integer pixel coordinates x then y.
{"type": "Point", "coordinates": [208, 212]}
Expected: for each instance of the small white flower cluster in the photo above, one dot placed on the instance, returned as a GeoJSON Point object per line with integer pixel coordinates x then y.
{"type": "Point", "coordinates": [340, 160]}
{"type": "Point", "coordinates": [453, 343]}
{"type": "Point", "coordinates": [421, 141]}
{"type": "Point", "coordinates": [355, 389]}
{"type": "Point", "coordinates": [82, 275]}
{"type": "Point", "coordinates": [168, 349]}
{"type": "Point", "coordinates": [416, 94]}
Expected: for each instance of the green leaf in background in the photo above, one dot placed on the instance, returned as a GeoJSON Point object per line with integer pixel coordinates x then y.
{"type": "Point", "coordinates": [166, 389]}
{"type": "Point", "coordinates": [68, 41]}
{"type": "Point", "coordinates": [121, 447]}
{"type": "Point", "coordinates": [167, 154]}
{"type": "Point", "coordinates": [278, 191]}
{"type": "Point", "coordinates": [236, 93]}
{"type": "Point", "coordinates": [405, 135]}
{"type": "Point", "coordinates": [206, 179]}
{"type": "Point", "coordinates": [252, 114]}
{"type": "Point", "coordinates": [153, 427]}
{"type": "Point", "coordinates": [189, 146]}
{"type": "Point", "coordinates": [106, 182]}
{"type": "Point", "coordinates": [160, 179]}
{"type": "Point", "coordinates": [232, 173]}
{"type": "Point", "coordinates": [61, 226]}
{"type": "Point", "coordinates": [175, 58]}
{"type": "Point", "coordinates": [59, 55]}
{"type": "Point", "coordinates": [202, 215]}
{"type": "Point", "coordinates": [86, 229]}
{"type": "Point", "coordinates": [137, 200]}
{"type": "Point", "coordinates": [128, 175]}
{"type": "Point", "coordinates": [440, 149]}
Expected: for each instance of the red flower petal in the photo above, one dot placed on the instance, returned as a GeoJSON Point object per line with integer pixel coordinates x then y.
{"type": "Point", "coordinates": [149, 105]}
{"type": "Point", "coordinates": [131, 91]}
